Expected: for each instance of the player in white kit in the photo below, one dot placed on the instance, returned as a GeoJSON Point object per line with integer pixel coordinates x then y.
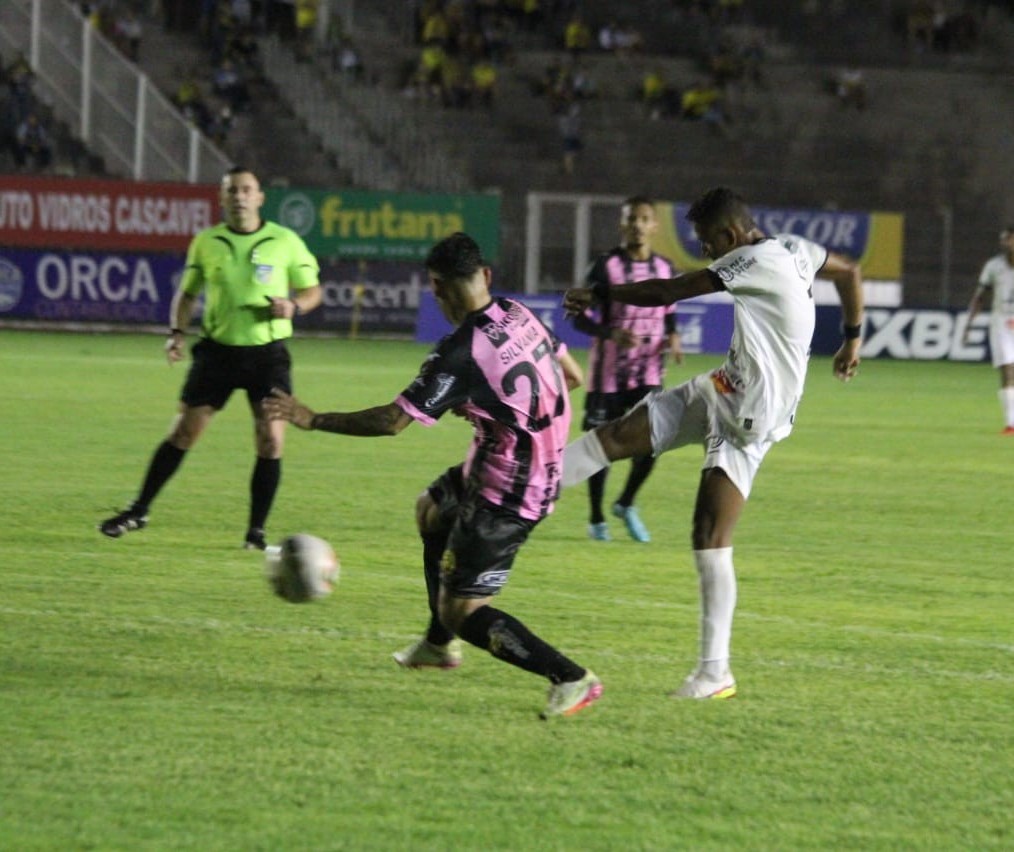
{"type": "Point", "coordinates": [738, 410]}
{"type": "Point", "coordinates": [996, 283]}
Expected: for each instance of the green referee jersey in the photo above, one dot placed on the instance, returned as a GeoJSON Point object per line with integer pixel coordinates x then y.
{"type": "Point", "coordinates": [239, 272]}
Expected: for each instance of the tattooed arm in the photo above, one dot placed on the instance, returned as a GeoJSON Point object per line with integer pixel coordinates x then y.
{"type": "Point", "coordinates": [370, 422]}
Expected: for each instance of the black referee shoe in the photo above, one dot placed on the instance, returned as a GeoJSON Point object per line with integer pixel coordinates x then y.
{"type": "Point", "coordinates": [124, 522]}
{"type": "Point", "coordinates": [255, 539]}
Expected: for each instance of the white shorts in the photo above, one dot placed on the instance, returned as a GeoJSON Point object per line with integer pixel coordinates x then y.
{"type": "Point", "coordinates": [1001, 340]}
{"type": "Point", "coordinates": [686, 415]}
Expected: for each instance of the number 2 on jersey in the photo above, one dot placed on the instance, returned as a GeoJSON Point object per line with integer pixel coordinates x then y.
{"type": "Point", "coordinates": [527, 369]}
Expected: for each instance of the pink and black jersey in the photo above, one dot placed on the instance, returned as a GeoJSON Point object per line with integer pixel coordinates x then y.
{"type": "Point", "coordinates": [499, 370]}
{"type": "Point", "coordinates": [613, 369]}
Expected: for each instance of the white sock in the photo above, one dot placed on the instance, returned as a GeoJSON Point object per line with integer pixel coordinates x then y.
{"type": "Point", "coordinates": [582, 458]}
{"type": "Point", "coordinates": [1007, 404]}
{"type": "Point", "coordinates": [718, 601]}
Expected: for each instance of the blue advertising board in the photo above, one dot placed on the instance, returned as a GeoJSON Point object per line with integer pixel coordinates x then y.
{"type": "Point", "coordinates": [83, 286]}
{"type": "Point", "coordinates": [131, 288]}
{"type": "Point", "coordinates": [705, 326]}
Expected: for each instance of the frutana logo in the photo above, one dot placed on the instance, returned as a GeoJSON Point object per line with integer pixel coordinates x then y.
{"type": "Point", "coordinates": [12, 285]}
{"type": "Point", "coordinates": [386, 221]}
{"type": "Point", "coordinates": [296, 211]}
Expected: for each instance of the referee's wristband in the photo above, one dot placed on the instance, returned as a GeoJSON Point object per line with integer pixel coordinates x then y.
{"type": "Point", "coordinates": [296, 310]}
{"type": "Point", "coordinates": [852, 332]}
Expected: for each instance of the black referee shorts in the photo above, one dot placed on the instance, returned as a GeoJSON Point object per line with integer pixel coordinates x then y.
{"type": "Point", "coordinates": [216, 370]}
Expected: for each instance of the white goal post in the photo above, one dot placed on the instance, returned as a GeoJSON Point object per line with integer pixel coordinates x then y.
{"type": "Point", "coordinates": [559, 224]}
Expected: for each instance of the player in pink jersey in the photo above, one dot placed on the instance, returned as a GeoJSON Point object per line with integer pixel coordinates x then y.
{"type": "Point", "coordinates": [630, 344]}
{"type": "Point", "coordinates": [504, 371]}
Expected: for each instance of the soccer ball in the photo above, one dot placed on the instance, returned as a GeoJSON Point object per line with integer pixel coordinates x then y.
{"type": "Point", "coordinates": [302, 568]}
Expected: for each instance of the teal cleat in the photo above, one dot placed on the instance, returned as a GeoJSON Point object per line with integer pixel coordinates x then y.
{"type": "Point", "coordinates": [635, 526]}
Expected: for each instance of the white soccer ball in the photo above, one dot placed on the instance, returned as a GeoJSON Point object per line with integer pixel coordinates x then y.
{"type": "Point", "coordinates": [302, 568]}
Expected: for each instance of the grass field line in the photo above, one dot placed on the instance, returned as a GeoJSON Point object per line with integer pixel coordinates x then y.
{"type": "Point", "coordinates": [212, 624]}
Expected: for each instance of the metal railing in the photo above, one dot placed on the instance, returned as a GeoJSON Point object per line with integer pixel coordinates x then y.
{"type": "Point", "coordinates": [112, 107]}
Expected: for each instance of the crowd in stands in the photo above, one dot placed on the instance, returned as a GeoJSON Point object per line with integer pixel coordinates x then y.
{"type": "Point", "coordinates": [848, 85]}
{"type": "Point", "coordinates": [935, 25]}
{"type": "Point", "coordinates": [727, 56]}
{"type": "Point", "coordinates": [25, 131]}
{"type": "Point", "coordinates": [119, 21]}
{"type": "Point", "coordinates": [463, 47]}
{"type": "Point", "coordinates": [211, 99]}
{"type": "Point", "coordinates": [461, 50]}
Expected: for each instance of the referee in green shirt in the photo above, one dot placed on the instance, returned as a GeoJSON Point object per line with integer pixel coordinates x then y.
{"type": "Point", "coordinates": [255, 276]}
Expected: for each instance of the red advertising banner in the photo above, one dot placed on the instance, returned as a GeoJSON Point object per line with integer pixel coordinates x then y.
{"type": "Point", "coordinates": [103, 214]}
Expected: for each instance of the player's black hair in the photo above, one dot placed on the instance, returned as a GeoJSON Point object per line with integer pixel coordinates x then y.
{"type": "Point", "coordinates": [638, 200]}
{"type": "Point", "coordinates": [240, 169]}
{"type": "Point", "coordinates": [719, 205]}
{"type": "Point", "coordinates": [455, 258]}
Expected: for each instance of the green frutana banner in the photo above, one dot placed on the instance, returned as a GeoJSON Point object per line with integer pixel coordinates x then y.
{"type": "Point", "coordinates": [354, 224]}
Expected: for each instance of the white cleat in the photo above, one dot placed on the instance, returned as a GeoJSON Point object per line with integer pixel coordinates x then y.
{"type": "Point", "coordinates": [423, 654]}
{"type": "Point", "coordinates": [566, 699]}
{"type": "Point", "coordinates": [699, 685]}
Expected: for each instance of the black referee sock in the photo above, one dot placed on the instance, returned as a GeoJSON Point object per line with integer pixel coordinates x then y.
{"type": "Point", "coordinates": [509, 640]}
{"type": "Point", "coordinates": [433, 551]}
{"type": "Point", "coordinates": [267, 473]}
{"type": "Point", "coordinates": [162, 466]}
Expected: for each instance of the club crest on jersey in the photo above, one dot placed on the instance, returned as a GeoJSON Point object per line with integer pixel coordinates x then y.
{"type": "Point", "coordinates": [262, 273]}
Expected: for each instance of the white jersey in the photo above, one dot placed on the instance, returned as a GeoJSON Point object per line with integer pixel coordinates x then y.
{"type": "Point", "coordinates": [761, 382]}
{"type": "Point", "coordinates": [997, 276]}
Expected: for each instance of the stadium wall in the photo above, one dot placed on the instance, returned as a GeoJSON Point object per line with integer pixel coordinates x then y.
{"type": "Point", "coordinates": [706, 326]}
{"type": "Point", "coordinates": [89, 253]}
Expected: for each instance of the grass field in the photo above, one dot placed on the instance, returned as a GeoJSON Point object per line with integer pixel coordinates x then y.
{"type": "Point", "coordinates": [154, 695]}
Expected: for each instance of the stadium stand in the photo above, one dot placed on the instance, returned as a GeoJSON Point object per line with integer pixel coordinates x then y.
{"type": "Point", "coordinates": [929, 142]}
{"type": "Point", "coordinates": [267, 133]}
{"type": "Point", "coordinates": [18, 99]}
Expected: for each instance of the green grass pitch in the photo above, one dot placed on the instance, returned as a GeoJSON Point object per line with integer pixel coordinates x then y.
{"type": "Point", "coordinates": [154, 694]}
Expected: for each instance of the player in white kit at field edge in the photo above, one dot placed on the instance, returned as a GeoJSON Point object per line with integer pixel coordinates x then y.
{"type": "Point", "coordinates": [996, 285]}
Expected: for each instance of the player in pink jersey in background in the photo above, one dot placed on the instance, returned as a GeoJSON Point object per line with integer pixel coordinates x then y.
{"type": "Point", "coordinates": [630, 345]}
{"type": "Point", "coordinates": [507, 374]}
